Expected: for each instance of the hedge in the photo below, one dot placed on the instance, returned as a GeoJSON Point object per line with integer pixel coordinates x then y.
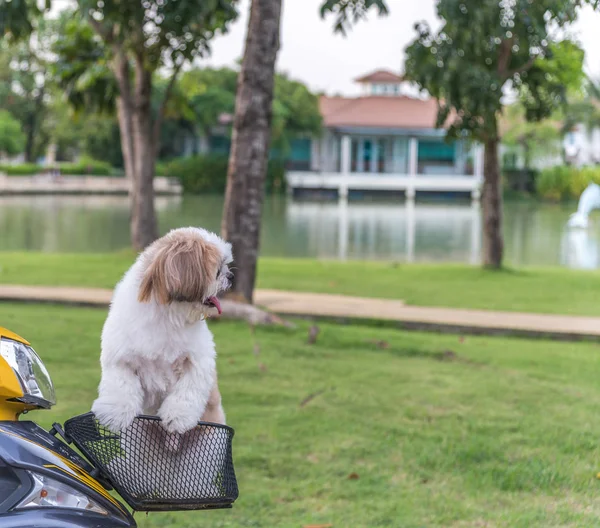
{"type": "Point", "coordinates": [86, 168]}
{"type": "Point", "coordinates": [23, 169]}
{"type": "Point", "coordinates": [208, 174]}
{"type": "Point", "coordinates": [565, 182]}
{"type": "Point", "coordinates": [81, 168]}
{"type": "Point", "coordinates": [197, 174]}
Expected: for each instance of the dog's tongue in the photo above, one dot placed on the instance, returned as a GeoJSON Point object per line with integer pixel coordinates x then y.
{"type": "Point", "coordinates": [216, 303]}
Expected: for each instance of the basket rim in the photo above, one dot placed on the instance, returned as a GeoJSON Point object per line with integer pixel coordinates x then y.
{"type": "Point", "coordinates": [152, 418]}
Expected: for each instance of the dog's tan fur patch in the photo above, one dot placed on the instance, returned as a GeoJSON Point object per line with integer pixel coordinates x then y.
{"type": "Point", "coordinates": [180, 269]}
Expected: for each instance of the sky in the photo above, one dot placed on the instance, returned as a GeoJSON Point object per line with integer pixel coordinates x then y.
{"type": "Point", "coordinates": [312, 53]}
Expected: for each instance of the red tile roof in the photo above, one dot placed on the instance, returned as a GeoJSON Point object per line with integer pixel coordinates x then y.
{"type": "Point", "coordinates": [378, 112]}
{"type": "Point", "coordinates": [380, 76]}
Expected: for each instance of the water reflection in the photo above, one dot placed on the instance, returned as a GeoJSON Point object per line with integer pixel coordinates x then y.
{"type": "Point", "coordinates": [580, 249]}
{"type": "Point", "coordinates": [402, 231]}
{"type": "Point", "coordinates": [68, 223]}
{"type": "Point", "coordinates": [406, 232]}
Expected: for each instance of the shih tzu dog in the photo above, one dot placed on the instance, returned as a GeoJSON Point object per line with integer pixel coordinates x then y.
{"type": "Point", "coordinates": [158, 355]}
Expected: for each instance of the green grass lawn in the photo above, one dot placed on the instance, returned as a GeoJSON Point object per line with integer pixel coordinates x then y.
{"type": "Point", "coordinates": [551, 290]}
{"type": "Point", "coordinates": [404, 430]}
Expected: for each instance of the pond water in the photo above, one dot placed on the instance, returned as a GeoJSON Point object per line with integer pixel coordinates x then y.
{"type": "Point", "coordinates": [535, 234]}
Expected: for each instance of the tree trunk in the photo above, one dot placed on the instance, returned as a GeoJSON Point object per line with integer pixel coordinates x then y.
{"type": "Point", "coordinates": [33, 125]}
{"type": "Point", "coordinates": [493, 245]}
{"type": "Point", "coordinates": [125, 118]}
{"type": "Point", "coordinates": [144, 227]}
{"type": "Point", "coordinates": [139, 150]}
{"type": "Point", "coordinates": [125, 113]}
{"type": "Point", "coordinates": [250, 143]}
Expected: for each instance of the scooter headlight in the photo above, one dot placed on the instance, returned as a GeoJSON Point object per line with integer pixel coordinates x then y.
{"type": "Point", "coordinates": [50, 493]}
{"type": "Point", "coordinates": [30, 371]}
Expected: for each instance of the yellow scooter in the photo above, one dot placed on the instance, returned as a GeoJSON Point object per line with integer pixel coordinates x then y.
{"type": "Point", "coordinates": [46, 483]}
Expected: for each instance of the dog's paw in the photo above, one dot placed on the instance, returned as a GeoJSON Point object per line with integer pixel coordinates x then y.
{"type": "Point", "coordinates": [115, 417]}
{"type": "Point", "coordinates": [177, 419]}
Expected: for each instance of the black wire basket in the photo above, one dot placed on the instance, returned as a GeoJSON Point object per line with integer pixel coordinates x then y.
{"type": "Point", "coordinates": [154, 470]}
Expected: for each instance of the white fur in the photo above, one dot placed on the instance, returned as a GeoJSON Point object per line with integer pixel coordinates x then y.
{"type": "Point", "coordinates": [158, 359]}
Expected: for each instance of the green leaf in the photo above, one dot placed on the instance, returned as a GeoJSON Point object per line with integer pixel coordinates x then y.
{"type": "Point", "coordinates": [349, 12]}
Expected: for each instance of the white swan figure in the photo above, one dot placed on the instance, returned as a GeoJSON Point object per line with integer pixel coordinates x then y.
{"type": "Point", "coordinates": [589, 200]}
{"type": "Point", "coordinates": [580, 249]}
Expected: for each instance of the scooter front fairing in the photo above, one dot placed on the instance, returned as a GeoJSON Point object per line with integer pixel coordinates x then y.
{"type": "Point", "coordinates": [44, 483]}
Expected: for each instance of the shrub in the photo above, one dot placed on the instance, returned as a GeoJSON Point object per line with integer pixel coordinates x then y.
{"type": "Point", "coordinates": [565, 182]}
{"type": "Point", "coordinates": [23, 169]}
{"type": "Point", "coordinates": [519, 180]}
{"type": "Point", "coordinates": [199, 174]}
{"type": "Point", "coordinates": [84, 167]}
{"type": "Point", "coordinates": [582, 178]}
{"type": "Point", "coordinates": [160, 168]}
{"type": "Point", "coordinates": [208, 174]}
{"type": "Point", "coordinates": [554, 183]}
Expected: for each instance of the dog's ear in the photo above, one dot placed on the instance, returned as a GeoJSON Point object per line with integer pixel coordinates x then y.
{"type": "Point", "coordinates": [155, 280]}
{"type": "Point", "coordinates": [181, 270]}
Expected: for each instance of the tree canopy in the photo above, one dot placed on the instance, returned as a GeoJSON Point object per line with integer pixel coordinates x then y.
{"type": "Point", "coordinates": [485, 47]}
{"type": "Point", "coordinates": [119, 61]}
{"type": "Point", "coordinates": [18, 18]}
{"type": "Point", "coordinates": [26, 80]}
{"type": "Point", "coordinates": [295, 112]}
{"type": "Point", "coordinates": [202, 96]}
{"type": "Point", "coordinates": [585, 107]}
{"type": "Point", "coordinates": [535, 139]}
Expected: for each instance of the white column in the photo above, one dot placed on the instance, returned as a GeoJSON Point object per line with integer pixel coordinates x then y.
{"type": "Point", "coordinates": [478, 162]}
{"type": "Point", "coordinates": [345, 165]}
{"type": "Point", "coordinates": [360, 155]}
{"type": "Point", "coordinates": [413, 156]}
{"type": "Point", "coordinates": [346, 152]}
{"type": "Point", "coordinates": [374, 154]}
{"type": "Point", "coordinates": [459, 158]}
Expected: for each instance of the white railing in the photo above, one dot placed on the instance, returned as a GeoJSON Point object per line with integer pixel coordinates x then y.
{"type": "Point", "coordinates": [47, 184]}
{"type": "Point", "coordinates": [410, 184]}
